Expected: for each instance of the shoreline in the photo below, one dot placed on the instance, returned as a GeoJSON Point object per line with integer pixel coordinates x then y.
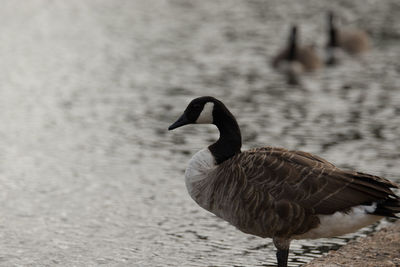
{"type": "Point", "coordinates": [382, 249]}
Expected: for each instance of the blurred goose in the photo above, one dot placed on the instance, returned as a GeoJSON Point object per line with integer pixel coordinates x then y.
{"type": "Point", "coordinates": [295, 59]}
{"type": "Point", "coordinates": [278, 193]}
{"type": "Point", "coordinates": [353, 42]}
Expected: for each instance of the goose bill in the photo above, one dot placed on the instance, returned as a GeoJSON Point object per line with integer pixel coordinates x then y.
{"type": "Point", "coordinates": [183, 120]}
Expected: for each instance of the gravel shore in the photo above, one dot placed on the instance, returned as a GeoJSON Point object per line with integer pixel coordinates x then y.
{"type": "Point", "coordinates": [380, 249]}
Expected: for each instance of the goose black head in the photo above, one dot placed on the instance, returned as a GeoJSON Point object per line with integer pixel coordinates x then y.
{"type": "Point", "coordinates": [208, 110]}
{"type": "Point", "coordinates": [200, 110]}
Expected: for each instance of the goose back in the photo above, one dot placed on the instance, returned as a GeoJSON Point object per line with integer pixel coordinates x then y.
{"type": "Point", "coordinates": [354, 42]}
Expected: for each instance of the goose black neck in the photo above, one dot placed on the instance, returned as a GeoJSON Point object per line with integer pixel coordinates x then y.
{"type": "Point", "coordinates": [333, 39]}
{"type": "Point", "coordinates": [230, 139]}
{"type": "Point", "coordinates": [292, 44]}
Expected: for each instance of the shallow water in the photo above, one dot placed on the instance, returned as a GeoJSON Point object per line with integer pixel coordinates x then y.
{"type": "Point", "coordinates": [89, 174]}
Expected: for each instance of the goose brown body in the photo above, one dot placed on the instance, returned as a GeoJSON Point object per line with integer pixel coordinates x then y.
{"type": "Point", "coordinates": [274, 192]}
{"type": "Point", "coordinates": [354, 41]}
{"type": "Point", "coordinates": [306, 56]}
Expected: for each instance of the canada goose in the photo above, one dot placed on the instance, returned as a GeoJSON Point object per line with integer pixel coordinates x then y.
{"type": "Point", "coordinates": [353, 42]}
{"type": "Point", "coordinates": [278, 193]}
{"type": "Point", "coordinates": [295, 59]}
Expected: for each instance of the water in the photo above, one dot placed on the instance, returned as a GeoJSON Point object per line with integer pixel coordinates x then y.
{"type": "Point", "coordinates": [89, 174]}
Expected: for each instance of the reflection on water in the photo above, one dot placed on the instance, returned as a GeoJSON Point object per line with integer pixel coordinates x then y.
{"type": "Point", "coordinates": [90, 174]}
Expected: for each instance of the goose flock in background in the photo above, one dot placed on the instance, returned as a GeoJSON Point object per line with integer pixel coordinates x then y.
{"type": "Point", "coordinates": [278, 193]}
{"type": "Point", "coordinates": [296, 59]}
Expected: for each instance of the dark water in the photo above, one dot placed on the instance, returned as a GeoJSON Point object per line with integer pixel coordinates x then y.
{"type": "Point", "coordinates": [89, 174]}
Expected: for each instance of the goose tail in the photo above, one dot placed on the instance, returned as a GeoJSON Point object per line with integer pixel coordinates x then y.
{"type": "Point", "coordinates": [388, 207]}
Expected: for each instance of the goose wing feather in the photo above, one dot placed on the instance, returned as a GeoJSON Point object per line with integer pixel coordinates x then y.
{"type": "Point", "coordinates": [309, 180]}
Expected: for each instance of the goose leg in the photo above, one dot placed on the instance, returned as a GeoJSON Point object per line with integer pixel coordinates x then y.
{"type": "Point", "coordinates": [282, 244]}
{"type": "Point", "coordinates": [282, 257]}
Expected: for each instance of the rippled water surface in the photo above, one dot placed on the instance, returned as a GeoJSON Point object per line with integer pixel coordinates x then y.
{"type": "Point", "coordinates": [89, 174]}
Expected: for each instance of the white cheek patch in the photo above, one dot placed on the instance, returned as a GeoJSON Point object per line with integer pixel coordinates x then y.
{"type": "Point", "coordinates": [206, 114]}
